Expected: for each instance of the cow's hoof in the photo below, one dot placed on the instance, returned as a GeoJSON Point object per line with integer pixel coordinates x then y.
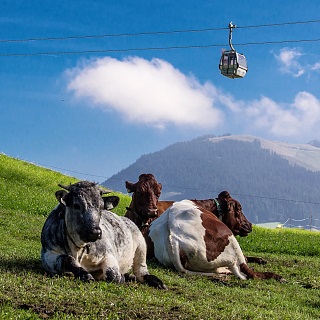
{"type": "Point", "coordinates": [87, 277]}
{"type": "Point", "coordinates": [256, 260]}
{"type": "Point", "coordinates": [155, 282]}
{"type": "Point", "coordinates": [262, 261]}
{"type": "Point", "coordinates": [130, 277]}
{"type": "Point", "coordinates": [113, 275]}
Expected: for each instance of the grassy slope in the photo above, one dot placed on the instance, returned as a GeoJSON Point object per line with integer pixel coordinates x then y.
{"type": "Point", "coordinates": [26, 292]}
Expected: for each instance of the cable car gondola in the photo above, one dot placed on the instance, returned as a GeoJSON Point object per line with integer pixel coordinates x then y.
{"type": "Point", "coordinates": [233, 64]}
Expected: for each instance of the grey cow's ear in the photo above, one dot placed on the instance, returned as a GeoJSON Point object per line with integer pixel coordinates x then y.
{"type": "Point", "coordinates": [131, 187]}
{"type": "Point", "coordinates": [60, 194]}
{"type": "Point", "coordinates": [110, 202]}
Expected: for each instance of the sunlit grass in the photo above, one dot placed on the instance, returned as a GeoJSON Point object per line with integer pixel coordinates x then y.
{"type": "Point", "coordinates": [27, 292]}
{"type": "Point", "coordinates": [286, 241]}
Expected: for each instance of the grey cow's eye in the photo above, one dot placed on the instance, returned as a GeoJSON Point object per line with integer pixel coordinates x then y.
{"type": "Point", "coordinates": [76, 206]}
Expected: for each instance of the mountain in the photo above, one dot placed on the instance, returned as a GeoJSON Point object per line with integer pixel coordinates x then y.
{"type": "Point", "coordinates": [304, 155]}
{"type": "Point", "coordinates": [274, 181]}
{"type": "Point", "coordinates": [315, 143]}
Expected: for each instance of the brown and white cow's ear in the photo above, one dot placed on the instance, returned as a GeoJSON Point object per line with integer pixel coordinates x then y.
{"type": "Point", "coordinates": [59, 195]}
{"type": "Point", "coordinates": [110, 202]}
{"type": "Point", "coordinates": [131, 187]}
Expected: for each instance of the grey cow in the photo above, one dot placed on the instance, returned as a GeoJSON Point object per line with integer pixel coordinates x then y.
{"type": "Point", "coordinates": [82, 237]}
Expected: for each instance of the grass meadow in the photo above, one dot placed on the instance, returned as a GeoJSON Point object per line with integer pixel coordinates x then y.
{"type": "Point", "coordinates": [27, 292]}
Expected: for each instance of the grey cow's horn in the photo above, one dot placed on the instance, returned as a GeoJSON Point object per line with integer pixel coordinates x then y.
{"type": "Point", "coordinates": [68, 188]}
{"type": "Point", "coordinates": [104, 191]}
{"type": "Point", "coordinates": [64, 187]}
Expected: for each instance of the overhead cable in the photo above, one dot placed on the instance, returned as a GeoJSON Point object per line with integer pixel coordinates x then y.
{"type": "Point", "coordinates": [152, 48]}
{"type": "Point", "coordinates": [177, 187]}
{"type": "Point", "coordinates": [277, 24]}
{"type": "Point", "coordinates": [155, 32]}
{"type": "Point", "coordinates": [110, 35]}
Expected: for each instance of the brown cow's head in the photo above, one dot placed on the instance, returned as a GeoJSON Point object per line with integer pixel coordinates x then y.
{"type": "Point", "coordinates": [233, 216]}
{"type": "Point", "coordinates": [146, 193]}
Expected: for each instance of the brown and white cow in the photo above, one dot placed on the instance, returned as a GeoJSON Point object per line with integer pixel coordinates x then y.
{"type": "Point", "coordinates": [142, 211]}
{"type": "Point", "coordinates": [193, 240]}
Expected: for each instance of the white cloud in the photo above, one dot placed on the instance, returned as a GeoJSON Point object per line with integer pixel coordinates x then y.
{"type": "Point", "coordinates": [316, 66]}
{"type": "Point", "coordinates": [289, 61]}
{"type": "Point", "coordinates": [150, 92]}
{"type": "Point", "coordinates": [299, 119]}
{"type": "Point", "coordinates": [296, 63]}
{"type": "Point", "coordinates": [156, 94]}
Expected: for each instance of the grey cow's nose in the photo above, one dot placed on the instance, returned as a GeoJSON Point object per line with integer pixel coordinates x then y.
{"type": "Point", "coordinates": [98, 233]}
{"type": "Point", "coordinates": [95, 234]}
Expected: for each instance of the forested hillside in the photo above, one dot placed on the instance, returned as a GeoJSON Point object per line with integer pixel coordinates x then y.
{"type": "Point", "coordinates": [268, 187]}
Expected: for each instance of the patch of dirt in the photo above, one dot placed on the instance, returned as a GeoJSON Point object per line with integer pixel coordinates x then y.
{"type": "Point", "coordinates": [46, 312]}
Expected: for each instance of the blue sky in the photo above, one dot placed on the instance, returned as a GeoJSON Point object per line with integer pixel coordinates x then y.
{"type": "Point", "coordinates": [95, 109]}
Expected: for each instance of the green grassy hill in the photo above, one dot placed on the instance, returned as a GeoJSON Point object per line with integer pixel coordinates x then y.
{"type": "Point", "coordinates": [27, 292]}
{"type": "Point", "coordinates": [30, 189]}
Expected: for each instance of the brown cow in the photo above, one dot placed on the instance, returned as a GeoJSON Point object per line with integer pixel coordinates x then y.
{"type": "Point", "coordinates": [143, 207]}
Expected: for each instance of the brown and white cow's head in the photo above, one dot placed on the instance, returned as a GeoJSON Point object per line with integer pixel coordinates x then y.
{"type": "Point", "coordinates": [233, 216]}
{"type": "Point", "coordinates": [146, 193]}
{"type": "Point", "coordinates": [83, 205]}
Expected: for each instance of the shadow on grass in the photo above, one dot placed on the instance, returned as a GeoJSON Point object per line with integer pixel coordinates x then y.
{"type": "Point", "coordinates": [19, 265]}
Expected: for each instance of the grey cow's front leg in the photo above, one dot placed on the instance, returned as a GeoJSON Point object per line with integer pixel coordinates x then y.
{"type": "Point", "coordinates": [69, 264]}
{"type": "Point", "coordinates": [113, 275]}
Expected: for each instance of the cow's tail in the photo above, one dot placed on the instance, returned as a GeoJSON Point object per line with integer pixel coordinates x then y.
{"type": "Point", "coordinates": [174, 253]}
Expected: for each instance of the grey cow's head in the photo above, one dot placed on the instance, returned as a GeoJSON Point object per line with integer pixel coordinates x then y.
{"type": "Point", "coordinates": [84, 204]}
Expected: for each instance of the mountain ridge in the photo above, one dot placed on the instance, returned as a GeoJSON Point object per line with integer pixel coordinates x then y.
{"type": "Point", "coordinates": [274, 181]}
{"type": "Point", "coordinates": [305, 155]}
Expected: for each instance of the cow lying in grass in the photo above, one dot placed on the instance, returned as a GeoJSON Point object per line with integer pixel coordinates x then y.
{"type": "Point", "coordinates": [187, 235]}
{"type": "Point", "coordinates": [195, 241]}
{"type": "Point", "coordinates": [80, 236]}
